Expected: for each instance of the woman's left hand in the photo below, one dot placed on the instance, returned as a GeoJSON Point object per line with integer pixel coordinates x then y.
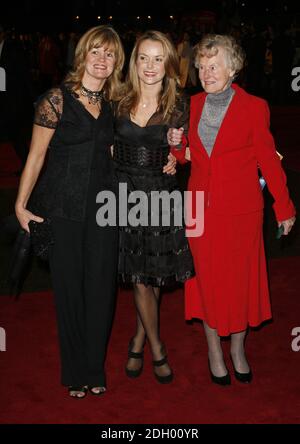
{"type": "Point", "coordinates": [287, 225]}
{"type": "Point", "coordinates": [170, 168]}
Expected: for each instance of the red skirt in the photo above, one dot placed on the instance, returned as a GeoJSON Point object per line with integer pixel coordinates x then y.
{"type": "Point", "coordinates": [230, 289]}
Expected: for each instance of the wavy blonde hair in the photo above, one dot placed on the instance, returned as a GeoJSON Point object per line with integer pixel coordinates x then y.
{"type": "Point", "coordinates": [94, 38]}
{"type": "Point", "coordinates": [209, 47]}
{"type": "Point", "coordinates": [170, 87]}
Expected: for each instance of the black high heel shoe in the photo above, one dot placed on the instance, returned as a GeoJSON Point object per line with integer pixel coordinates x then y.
{"type": "Point", "coordinates": [220, 380]}
{"type": "Point", "coordinates": [245, 378]}
{"type": "Point", "coordinates": [133, 355]}
{"type": "Point", "coordinates": [166, 379]}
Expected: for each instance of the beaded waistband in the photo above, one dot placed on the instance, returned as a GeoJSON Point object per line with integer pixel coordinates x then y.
{"type": "Point", "coordinates": [140, 156]}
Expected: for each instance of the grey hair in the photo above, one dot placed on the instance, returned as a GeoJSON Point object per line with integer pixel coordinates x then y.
{"type": "Point", "coordinates": [209, 47]}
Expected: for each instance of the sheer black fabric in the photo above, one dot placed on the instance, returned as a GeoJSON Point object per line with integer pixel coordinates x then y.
{"type": "Point", "coordinates": [80, 147]}
{"type": "Point", "coordinates": [49, 108]}
{"type": "Point", "coordinates": [80, 143]}
{"type": "Point", "coordinates": [156, 254]}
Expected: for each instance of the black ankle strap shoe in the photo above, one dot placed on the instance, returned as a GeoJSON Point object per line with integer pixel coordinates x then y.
{"type": "Point", "coordinates": [165, 379]}
{"type": "Point", "coordinates": [133, 355]}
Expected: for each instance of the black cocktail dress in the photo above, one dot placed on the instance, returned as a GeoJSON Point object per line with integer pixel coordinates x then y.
{"type": "Point", "coordinates": [156, 255]}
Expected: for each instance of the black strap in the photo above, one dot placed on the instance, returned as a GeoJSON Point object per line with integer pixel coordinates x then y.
{"type": "Point", "coordinates": [160, 362]}
{"type": "Point", "coordinates": [134, 355]}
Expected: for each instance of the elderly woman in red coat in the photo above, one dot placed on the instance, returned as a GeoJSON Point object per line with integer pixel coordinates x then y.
{"type": "Point", "coordinates": [229, 139]}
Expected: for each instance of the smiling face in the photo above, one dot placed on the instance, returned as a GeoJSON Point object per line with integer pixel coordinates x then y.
{"type": "Point", "coordinates": [99, 63]}
{"type": "Point", "coordinates": [150, 62]}
{"type": "Point", "coordinates": [214, 73]}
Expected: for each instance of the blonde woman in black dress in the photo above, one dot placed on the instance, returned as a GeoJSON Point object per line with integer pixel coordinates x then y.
{"type": "Point", "coordinates": [150, 257]}
{"type": "Point", "coordinates": [75, 121]}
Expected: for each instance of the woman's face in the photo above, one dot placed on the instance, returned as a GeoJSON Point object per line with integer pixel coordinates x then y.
{"type": "Point", "coordinates": [100, 63]}
{"type": "Point", "coordinates": [150, 62]}
{"type": "Point", "coordinates": [214, 73]}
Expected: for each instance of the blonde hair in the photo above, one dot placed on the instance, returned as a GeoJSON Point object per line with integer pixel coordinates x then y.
{"type": "Point", "coordinates": [209, 47]}
{"type": "Point", "coordinates": [94, 38]}
{"type": "Point", "coordinates": [169, 92]}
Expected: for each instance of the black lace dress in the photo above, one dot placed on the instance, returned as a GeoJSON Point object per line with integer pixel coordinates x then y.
{"type": "Point", "coordinates": [152, 255]}
{"type": "Point", "coordinates": [79, 163]}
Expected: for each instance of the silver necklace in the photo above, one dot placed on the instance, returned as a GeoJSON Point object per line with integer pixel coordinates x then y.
{"type": "Point", "coordinates": [94, 97]}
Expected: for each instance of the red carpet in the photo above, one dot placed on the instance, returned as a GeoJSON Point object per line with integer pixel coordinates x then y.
{"type": "Point", "coordinates": [30, 390]}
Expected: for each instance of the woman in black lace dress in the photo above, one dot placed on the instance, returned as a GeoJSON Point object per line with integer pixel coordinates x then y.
{"type": "Point", "coordinates": [151, 254]}
{"type": "Point", "coordinates": [76, 122]}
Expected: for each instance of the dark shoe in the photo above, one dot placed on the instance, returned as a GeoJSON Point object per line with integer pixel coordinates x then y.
{"type": "Point", "coordinates": [100, 390]}
{"type": "Point", "coordinates": [245, 378]}
{"type": "Point", "coordinates": [133, 355]}
{"type": "Point", "coordinates": [167, 378]}
{"type": "Point", "coordinates": [220, 380]}
{"type": "Point", "coordinates": [83, 390]}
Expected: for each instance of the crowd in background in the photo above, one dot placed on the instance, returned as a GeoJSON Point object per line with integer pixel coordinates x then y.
{"type": "Point", "coordinates": [271, 55]}
{"type": "Point", "coordinates": [39, 60]}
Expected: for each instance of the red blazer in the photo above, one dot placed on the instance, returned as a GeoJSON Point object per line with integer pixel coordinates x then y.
{"type": "Point", "coordinates": [229, 177]}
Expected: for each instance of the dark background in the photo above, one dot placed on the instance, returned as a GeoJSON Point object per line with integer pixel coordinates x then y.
{"type": "Point", "coordinates": [61, 15]}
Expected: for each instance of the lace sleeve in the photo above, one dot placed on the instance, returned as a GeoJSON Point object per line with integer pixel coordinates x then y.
{"type": "Point", "coordinates": [48, 109]}
{"type": "Point", "coordinates": [181, 114]}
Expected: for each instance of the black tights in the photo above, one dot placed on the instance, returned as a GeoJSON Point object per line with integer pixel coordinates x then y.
{"type": "Point", "coordinates": [147, 301]}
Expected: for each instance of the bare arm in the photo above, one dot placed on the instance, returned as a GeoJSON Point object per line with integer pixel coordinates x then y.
{"type": "Point", "coordinates": [41, 137]}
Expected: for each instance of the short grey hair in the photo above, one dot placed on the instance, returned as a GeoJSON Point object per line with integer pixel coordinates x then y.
{"type": "Point", "coordinates": [209, 47]}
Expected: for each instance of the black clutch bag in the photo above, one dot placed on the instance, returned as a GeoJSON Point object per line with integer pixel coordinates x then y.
{"type": "Point", "coordinates": [41, 237]}
{"type": "Point", "coordinates": [19, 261]}
{"type": "Point", "coordinates": [37, 241]}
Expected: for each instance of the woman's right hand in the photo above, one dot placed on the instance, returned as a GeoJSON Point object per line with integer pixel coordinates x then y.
{"type": "Point", "coordinates": [24, 217]}
{"type": "Point", "coordinates": [174, 136]}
